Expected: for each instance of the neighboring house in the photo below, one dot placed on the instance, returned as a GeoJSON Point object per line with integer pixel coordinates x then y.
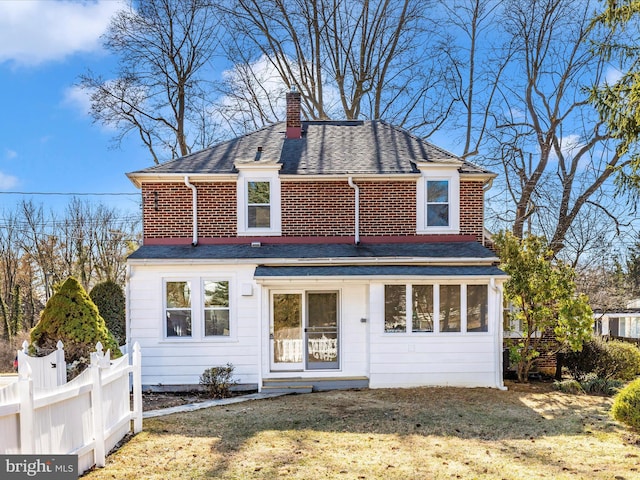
{"type": "Point", "coordinates": [317, 250]}
{"type": "Point", "coordinates": [623, 322]}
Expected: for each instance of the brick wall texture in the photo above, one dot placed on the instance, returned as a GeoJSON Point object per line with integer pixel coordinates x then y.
{"type": "Point", "coordinates": [322, 209]}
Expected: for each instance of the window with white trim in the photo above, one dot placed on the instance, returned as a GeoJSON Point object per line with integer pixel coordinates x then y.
{"type": "Point", "coordinates": [178, 309]}
{"type": "Point", "coordinates": [258, 204]}
{"type": "Point", "coordinates": [438, 201]}
{"type": "Point", "coordinates": [436, 308]}
{"type": "Point", "coordinates": [258, 200]}
{"type": "Point", "coordinates": [216, 308]}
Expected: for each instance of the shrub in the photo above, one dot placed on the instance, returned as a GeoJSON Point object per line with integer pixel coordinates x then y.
{"type": "Point", "coordinates": [595, 385]}
{"type": "Point", "coordinates": [586, 361]}
{"type": "Point", "coordinates": [72, 317]}
{"type": "Point", "coordinates": [622, 361]}
{"type": "Point", "coordinates": [626, 405]}
{"type": "Point", "coordinates": [218, 381]}
{"type": "Point", "coordinates": [568, 386]}
{"type": "Point", "coordinates": [109, 299]}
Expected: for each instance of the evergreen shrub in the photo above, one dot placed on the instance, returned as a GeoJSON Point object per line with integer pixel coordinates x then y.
{"type": "Point", "coordinates": [626, 405]}
{"type": "Point", "coordinates": [71, 316]}
{"type": "Point", "coordinates": [109, 298]}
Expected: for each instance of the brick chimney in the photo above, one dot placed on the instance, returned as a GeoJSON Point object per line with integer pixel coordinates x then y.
{"type": "Point", "coordinates": [294, 126]}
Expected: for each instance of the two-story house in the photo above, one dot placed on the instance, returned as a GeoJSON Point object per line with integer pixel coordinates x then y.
{"type": "Point", "coordinates": [309, 250]}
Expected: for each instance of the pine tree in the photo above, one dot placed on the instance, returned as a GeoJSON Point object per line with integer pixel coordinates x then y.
{"type": "Point", "coordinates": [72, 317]}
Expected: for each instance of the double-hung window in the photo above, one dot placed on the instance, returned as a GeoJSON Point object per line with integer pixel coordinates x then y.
{"type": "Point", "coordinates": [216, 308]}
{"type": "Point", "coordinates": [419, 309]}
{"type": "Point", "coordinates": [438, 201]}
{"type": "Point", "coordinates": [178, 309]}
{"type": "Point", "coordinates": [258, 191]}
{"type": "Point", "coordinates": [258, 204]}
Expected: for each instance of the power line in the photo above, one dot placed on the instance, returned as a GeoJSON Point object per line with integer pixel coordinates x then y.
{"type": "Point", "coordinates": [71, 193]}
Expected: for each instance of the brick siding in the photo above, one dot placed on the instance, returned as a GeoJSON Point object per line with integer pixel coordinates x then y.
{"type": "Point", "coordinates": [309, 209]}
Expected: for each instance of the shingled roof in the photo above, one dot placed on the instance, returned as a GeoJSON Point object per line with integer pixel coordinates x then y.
{"type": "Point", "coordinates": [326, 147]}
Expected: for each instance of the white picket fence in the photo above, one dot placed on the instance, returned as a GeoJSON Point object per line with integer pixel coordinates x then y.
{"type": "Point", "coordinates": [87, 416]}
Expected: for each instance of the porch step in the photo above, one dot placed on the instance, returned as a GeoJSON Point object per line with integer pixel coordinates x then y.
{"type": "Point", "coordinates": [317, 384]}
{"type": "Point", "coordinates": [287, 388]}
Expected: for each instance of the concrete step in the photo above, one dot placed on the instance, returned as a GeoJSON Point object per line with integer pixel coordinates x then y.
{"type": "Point", "coordinates": [316, 384]}
{"type": "Point", "coordinates": [287, 388]}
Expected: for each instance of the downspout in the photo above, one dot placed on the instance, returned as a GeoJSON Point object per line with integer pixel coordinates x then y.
{"type": "Point", "coordinates": [500, 337]}
{"type": "Point", "coordinates": [195, 210]}
{"type": "Point", "coordinates": [357, 212]}
{"type": "Point", "coordinates": [127, 318]}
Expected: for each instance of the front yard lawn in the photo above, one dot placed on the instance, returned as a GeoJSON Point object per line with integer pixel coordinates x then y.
{"type": "Point", "coordinates": [528, 432]}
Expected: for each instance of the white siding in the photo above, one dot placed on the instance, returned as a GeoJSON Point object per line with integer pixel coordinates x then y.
{"type": "Point", "coordinates": [169, 361]}
{"type": "Point", "coordinates": [388, 359]}
{"type": "Point", "coordinates": [423, 359]}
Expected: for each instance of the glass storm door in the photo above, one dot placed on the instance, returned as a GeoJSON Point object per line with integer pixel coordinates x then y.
{"type": "Point", "coordinates": [321, 331]}
{"type": "Point", "coordinates": [304, 331]}
{"type": "Point", "coordinates": [286, 332]}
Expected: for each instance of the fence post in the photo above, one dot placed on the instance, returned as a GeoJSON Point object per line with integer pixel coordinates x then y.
{"type": "Point", "coordinates": [61, 365]}
{"type": "Point", "coordinates": [96, 406]}
{"type": "Point", "coordinates": [27, 436]}
{"type": "Point", "coordinates": [137, 388]}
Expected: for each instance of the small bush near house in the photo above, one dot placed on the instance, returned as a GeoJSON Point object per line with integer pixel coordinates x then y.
{"type": "Point", "coordinates": [109, 299]}
{"type": "Point", "coordinates": [622, 361]}
{"type": "Point", "coordinates": [626, 405]}
{"type": "Point", "coordinates": [569, 386]}
{"type": "Point", "coordinates": [218, 381]}
{"type": "Point", "coordinates": [594, 385]}
{"type": "Point", "coordinates": [586, 361]}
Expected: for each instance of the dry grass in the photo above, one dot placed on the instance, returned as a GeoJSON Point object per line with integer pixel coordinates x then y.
{"type": "Point", "coordinates": [423, 433]}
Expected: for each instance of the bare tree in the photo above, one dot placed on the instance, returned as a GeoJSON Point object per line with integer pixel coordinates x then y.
{"type": "Point", "coordinates": [478, 56]}
{"type": "Point", "coordinates": [548, 138]}
{"type": "Point", "coordinates": [370, 59]}
{"type": "Point", "coordinates": [161, 91]}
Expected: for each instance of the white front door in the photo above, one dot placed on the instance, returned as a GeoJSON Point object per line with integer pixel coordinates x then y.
{"type": "Point", "coordinates": [304, 331]}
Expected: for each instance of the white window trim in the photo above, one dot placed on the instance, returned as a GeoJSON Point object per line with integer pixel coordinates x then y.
{"type": "Point", "coordinates": [452, 176]}
{"type": "Point", "coordinates": [260, 173]}
{"type": "Point", "coordinates": [436, 309]}
{"type": "Point", "coordinates": [232, 327]}
{"type": "Point", "coordinates": [197, 311]}
{"type": "Point", "coordinates": [165, 334]}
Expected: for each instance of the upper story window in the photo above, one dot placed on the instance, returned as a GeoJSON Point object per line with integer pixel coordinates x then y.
{"type": "Point", "coordinates": [438, 197]}
{"type": "Point", "coordinates": [259, 204]}
{"type": "Point", "coordinates": [258, 200]}
{"type": "Point", "coordinates": [437, 203]}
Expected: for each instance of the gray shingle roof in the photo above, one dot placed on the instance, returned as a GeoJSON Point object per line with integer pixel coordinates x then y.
{"type": "Point", "coordinates": [454, 250]}
{"type": "Point", "coordinates": [326, 147]}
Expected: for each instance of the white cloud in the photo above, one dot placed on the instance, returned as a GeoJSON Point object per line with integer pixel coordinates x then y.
{"type": "Point", "coordinates": [33, 32]}
{"type": "Point", "coordinates": [78, 98]}
{"type": "Point", "coordinates": [7, 181]}
{"type": "Point", "coordinates": [10, 154]}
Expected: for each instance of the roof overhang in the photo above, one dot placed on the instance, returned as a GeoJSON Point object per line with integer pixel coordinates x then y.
{"type": "Point", "coordinates": [139, 178]}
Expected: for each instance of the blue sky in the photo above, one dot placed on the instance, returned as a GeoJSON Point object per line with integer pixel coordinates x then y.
{"type": "Point", "coordinates": [48, 142]}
